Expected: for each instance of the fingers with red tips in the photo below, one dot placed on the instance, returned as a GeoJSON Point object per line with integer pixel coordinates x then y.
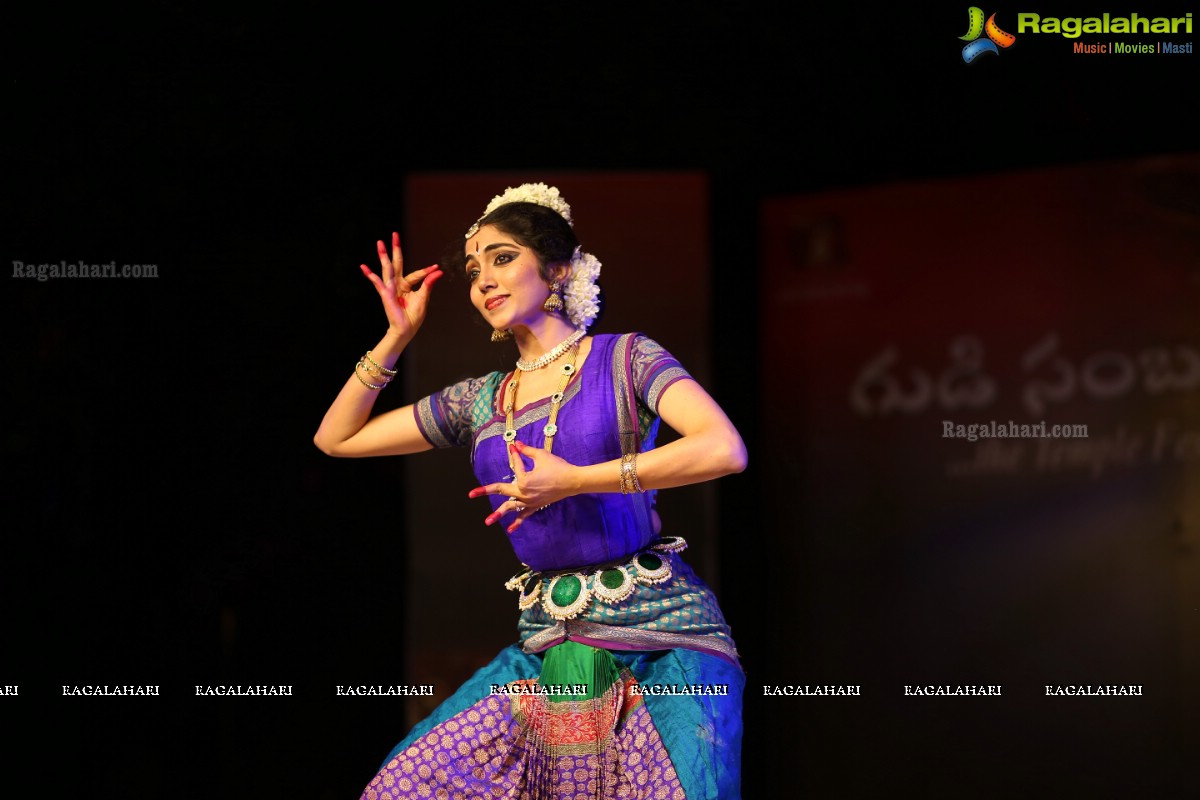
{"type": "Point", "coordinates": [517, 464]}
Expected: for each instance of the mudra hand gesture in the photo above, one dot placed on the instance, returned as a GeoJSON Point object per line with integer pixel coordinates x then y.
{"type": "Point", "coordinates": [530, 490]}
{"type": "Point", "coordinates": [403, 301]}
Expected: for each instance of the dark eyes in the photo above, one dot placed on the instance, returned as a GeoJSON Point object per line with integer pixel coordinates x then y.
{"type": "Point", "coordinates": [500, 260]}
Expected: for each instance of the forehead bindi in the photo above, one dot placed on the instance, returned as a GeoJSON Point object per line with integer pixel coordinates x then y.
{"type": "Point", "coordinates": [481, 245]}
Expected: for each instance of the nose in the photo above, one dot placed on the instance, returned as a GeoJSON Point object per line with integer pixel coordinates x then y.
{"type": "Point", "coordinates": [486, 280]}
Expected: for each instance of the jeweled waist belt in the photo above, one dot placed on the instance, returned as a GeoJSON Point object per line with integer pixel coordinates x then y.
{"type": "Point", "coordinates": [565, 594]}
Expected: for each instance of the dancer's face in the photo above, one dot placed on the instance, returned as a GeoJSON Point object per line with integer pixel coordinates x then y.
{"type": "Point", "coordinates": [506, 282]}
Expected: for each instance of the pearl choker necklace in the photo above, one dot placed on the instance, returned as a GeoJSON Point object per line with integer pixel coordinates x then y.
{"type": "Point", "coordinates": [553, 355]}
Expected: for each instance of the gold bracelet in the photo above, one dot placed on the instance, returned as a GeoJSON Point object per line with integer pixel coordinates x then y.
{"type": "Point", "coordinates": [373, 372]}
{"type": "Point", "coordinates": [373, 387]}
{"type": "Point", "coordinates": [629, 481]}
{"type": "Point", "coordinates": [380, 370]}
{"type": "Point", "coordinates": [633, 478]}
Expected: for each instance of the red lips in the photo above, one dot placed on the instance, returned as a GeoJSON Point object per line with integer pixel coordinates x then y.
{"type": "Point", "coordinates": [494, 301]}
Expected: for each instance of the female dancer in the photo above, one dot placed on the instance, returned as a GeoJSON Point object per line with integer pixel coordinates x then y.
{"type": "Point", "coordinates": [625, 681]}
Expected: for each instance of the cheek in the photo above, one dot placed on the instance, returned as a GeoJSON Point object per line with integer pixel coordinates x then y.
{"type": "Point", "coordinates": [530, 276]}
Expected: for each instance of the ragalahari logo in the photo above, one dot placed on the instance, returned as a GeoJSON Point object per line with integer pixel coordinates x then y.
{"type": "Point", "coordinates": [976, 27]}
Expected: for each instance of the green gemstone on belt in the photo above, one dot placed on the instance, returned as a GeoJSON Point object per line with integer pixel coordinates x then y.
{"type": "Point", "coordinates": [566, 591]}
{"type": "Point", "coordinates": [612, 578]}
{"type": "Point", "coordinates": [649, 561]}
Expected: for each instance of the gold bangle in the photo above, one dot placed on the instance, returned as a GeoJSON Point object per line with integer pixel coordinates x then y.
{"type": "Point", "coordinates": [373, 387]}
{"type": "Point", "coordinates": [633, 478]}
{"type": "Point", "coordinates": [629, 481]}
{"type": "Point", "coordinates": [373, 373]}
{"type": "Point", "coordinates": [380, 370]}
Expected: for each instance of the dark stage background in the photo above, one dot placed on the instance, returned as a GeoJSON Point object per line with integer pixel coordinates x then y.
{"type": "Point", "coordinates": [865, 206]}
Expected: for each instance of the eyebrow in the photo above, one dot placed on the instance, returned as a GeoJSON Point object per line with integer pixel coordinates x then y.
{"type": "Point", "coordinates": [491, 247]}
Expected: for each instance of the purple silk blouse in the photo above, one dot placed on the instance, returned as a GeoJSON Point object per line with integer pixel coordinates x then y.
{"type": "Point", "coordinates": [612, 398]}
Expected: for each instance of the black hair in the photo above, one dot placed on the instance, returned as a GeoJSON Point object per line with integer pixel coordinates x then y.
{"type": "Point", "coordinates": [541, 229]}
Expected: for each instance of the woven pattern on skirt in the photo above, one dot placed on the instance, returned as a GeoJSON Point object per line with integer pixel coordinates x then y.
{"type": "Point", "coordinates": [521, 746]}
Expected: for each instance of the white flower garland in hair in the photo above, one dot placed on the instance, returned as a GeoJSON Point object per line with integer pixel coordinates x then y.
{"type": "Point", "coordinates": [537, 193]}
{"type": "Point", "coordinates": [581, 291]}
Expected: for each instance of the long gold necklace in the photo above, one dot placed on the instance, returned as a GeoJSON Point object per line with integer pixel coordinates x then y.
{"type": "Point", "coordinates": [551, 429]}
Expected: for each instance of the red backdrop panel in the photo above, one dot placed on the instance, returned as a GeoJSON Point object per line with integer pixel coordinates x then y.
{"type": "Point", "coordinates": [900, 556]}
